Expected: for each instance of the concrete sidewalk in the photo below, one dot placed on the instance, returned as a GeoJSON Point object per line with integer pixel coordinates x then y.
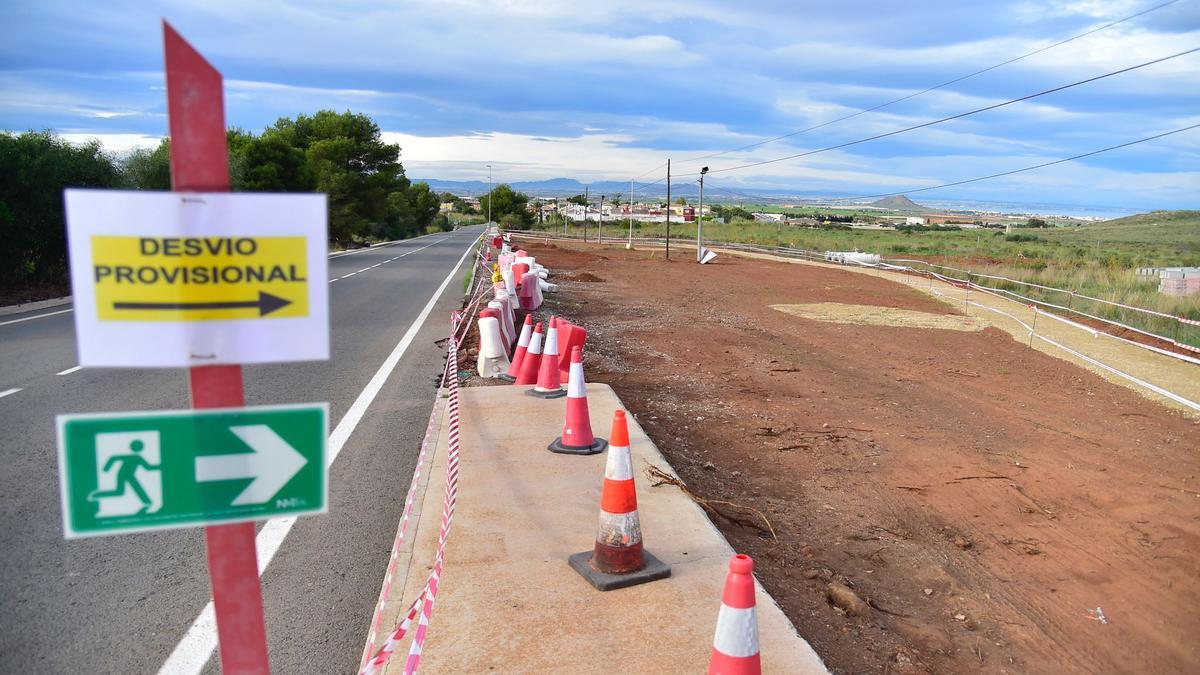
{"type": "Point", "coordinates": [508, 600]}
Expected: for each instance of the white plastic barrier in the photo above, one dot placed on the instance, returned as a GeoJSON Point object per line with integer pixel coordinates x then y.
{"type": "Point", "coordinates": [493, 357]}
{"type": "Point", "coordinates": [507, 335]}
{"type": "Point", "coordinates": [530, 292]}
{"type": "Point", "coordinates": [852, 257]}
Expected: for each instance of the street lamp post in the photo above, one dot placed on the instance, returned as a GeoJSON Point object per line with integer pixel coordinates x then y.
{"type": "Point", "coordinates": [700, 218]}
{"type": "Point", "coordinates": [489, 166]}
{"type": "Point", "coordinates": [600, 229]}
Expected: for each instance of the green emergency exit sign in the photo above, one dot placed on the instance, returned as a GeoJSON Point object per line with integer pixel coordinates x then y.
{"type": "Point", "coordinates": [131, 472]}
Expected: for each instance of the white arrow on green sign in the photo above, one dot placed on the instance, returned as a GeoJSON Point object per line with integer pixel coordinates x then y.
{"type": "Point", "coordinates": [131, 472]}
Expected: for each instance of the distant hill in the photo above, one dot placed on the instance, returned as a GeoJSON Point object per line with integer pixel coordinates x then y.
{"type": "Point", "coordinates": [566, 187]}
{"type": "Point", "coordinates": [1181, 228]}
{"type": "Point", "coordinates": [901, 203]}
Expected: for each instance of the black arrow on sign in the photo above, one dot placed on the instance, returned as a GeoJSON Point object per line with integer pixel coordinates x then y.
{"type": "Point", "coordinates": [266, 303]}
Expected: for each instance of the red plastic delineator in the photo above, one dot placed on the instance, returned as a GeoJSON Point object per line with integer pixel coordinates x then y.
{"type": "Point", "coordinates": [570, 336]}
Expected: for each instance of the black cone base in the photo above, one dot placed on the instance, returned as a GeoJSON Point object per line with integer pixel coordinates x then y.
{"type": "Point", "coordinates": [598, 446]}
{"type": "Point", "coordinates": [654, 569]}
{"type": "Point", "coordinates": [506, 377]}
{"type": "Point", "coordinates": [552, 393]}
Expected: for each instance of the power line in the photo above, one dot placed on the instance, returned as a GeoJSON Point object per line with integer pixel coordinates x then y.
{"type": "Point", "coordinates": [664, 164]}
{"type": "Point", "coordinates": [764, 198]}
{"type": "Point", "coordinates": [933, 88]}
{"type": "Point", "coordinates": [1021, 170]}
{"type": "Point", "coordinates": [750, 197]}
{"type": "Point", "coordinates": [951, 117]}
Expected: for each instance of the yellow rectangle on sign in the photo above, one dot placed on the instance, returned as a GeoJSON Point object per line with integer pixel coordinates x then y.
{"type": "Point", "coordinates": [199, 278]}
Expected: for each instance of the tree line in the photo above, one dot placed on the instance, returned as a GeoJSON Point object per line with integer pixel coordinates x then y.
{"type": "Point", "coordinates": [340, 154]}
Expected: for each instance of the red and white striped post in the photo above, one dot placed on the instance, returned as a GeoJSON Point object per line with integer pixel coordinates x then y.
{"type": "Point", "coordinates": [200, 163]}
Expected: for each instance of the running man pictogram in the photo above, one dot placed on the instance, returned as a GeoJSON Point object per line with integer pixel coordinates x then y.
{"type": "Point", "coordinates": [127, 462]}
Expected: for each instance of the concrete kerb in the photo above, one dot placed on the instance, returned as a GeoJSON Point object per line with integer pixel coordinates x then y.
{"type": "Point", "coordinates": [34, 306]}
{"type": "Point", "coordinates": [508, 599]}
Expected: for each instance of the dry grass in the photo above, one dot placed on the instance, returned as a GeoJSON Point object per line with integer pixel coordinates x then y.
{"type": "Point", "coordinates": [834, 312]}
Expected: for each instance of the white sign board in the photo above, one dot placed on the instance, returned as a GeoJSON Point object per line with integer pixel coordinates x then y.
{"type": "Point", "coordinates": [164, 279]}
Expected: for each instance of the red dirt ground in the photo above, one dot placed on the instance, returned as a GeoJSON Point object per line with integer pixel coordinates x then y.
{"type": "Point", "coordinates": [984, 498]}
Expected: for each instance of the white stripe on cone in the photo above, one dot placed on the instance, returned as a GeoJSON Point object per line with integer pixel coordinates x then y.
{"type": "Point", "coordinates": [535, 344]}
{"type": "Point", "coordinates": [575, 384]}
{"type": "Point", "coordinates": [737, 632]}
{"type": "Point", "coordinates": [551, 344]}
{"type": "Point", "coordinates": [621, 529]}
{"type": "Point", "coordinates": [526, 331]}
{"type": "Point", "coordinates": [619, 465]}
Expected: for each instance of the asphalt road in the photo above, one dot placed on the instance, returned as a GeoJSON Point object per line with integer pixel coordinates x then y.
{"type": "Point", "coordinates": [122, 604]}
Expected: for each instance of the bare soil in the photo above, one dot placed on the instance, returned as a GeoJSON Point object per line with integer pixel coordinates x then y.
{"type": "Point", "coordinates": [986, 503]}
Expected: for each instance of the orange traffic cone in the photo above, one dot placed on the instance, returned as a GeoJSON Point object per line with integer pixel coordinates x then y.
{"type": "Point", "coordinates": [735, 646]}
{"type": "Point", "coordinates": [514, 368]}
{"type": "Point", "coordinates": [533, 358]}
{"type": "Point", "coordinates": [618, 559]}
{"type": "Point", "coordinates": [577, 436]}
{"type": "Point", "coordinates": [548, 385]}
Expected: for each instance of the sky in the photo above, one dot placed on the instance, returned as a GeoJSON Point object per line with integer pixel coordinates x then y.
{"type": "Point", "coordinates": [609, 90]}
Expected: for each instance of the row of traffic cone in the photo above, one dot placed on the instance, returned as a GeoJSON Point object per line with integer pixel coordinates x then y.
{"type": "Point", "coordinates": [618, 558]}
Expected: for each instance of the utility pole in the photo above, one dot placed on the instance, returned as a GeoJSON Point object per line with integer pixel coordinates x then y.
{"type": "Point", "coordinates": [630, 215]}
{"type": "Point", "coordinates": [600, 229]}
{"type": "Point", "coordinates": [668, 209]}
{"type": "Point", "coordinates": [586, 202]}
{"type": "Point", "coordinates": [489, 166]}
{"type": "Point", "coordinates": [700, 218]}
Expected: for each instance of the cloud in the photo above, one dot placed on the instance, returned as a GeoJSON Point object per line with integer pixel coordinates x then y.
{"type": "Point", "coordinates": [113, 143]}
{"type": "Point", "coordinates": [546, 88]}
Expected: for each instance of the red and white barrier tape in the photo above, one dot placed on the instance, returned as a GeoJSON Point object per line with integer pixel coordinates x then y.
{"type": "Point", "coordinates": [423, 604]}
{"type": "Point", "coordinates": [373, 663]}
{"type": "Point", "coordinates": [385, 591]}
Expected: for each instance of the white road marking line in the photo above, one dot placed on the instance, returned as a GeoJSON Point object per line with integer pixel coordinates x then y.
{"type": "Point", "coordinates": [198, 643]}
{"type": "Point", "coordinates": [342, 254]}
{"type": "Point", "coordinates": [365, 269]}
{"type": "Point", "coordinates": [39, 316]}
{"type": "Point", "coordinates": [9, 391]}
{"type": "Point", "coordinates": [68, 371]}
